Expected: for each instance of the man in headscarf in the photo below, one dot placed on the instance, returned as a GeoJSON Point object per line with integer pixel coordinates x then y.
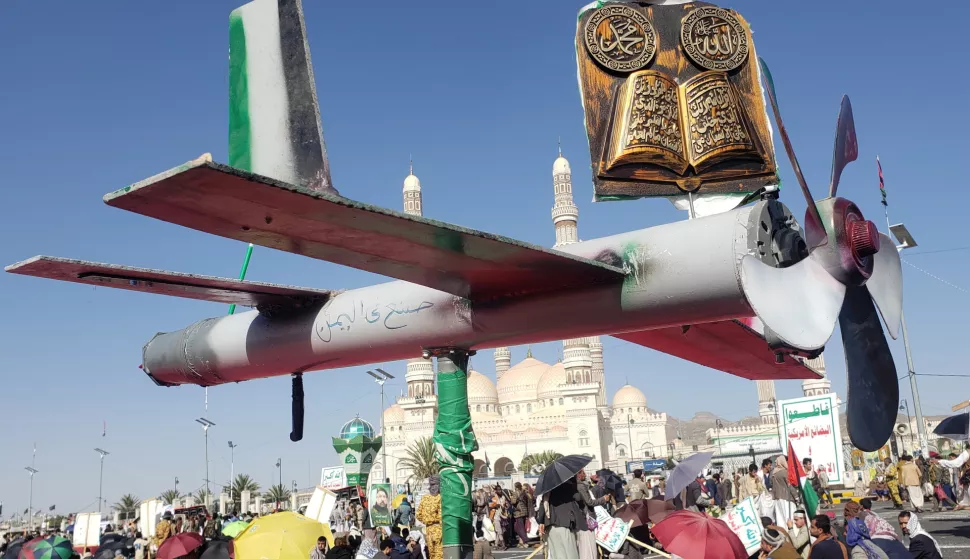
{"type": "Point", "coordinates": [921, 544]}
{"type": "Point", "coordinates": [775, 544]}
{"type": "Point", "coordinates": [857, 535]}
{"type": "Point", "coordinates": [560, 516]}
{"type": "Point", "coordinates": [782, 492]}
{"type": "Point", "coordinates": [585, 538]}
{"type": "Point", "coordinates": [892, 481]}
{"type": "Point", "coordinates": [911, 477]}
{"type": "Point", "coordinates": [429, 514]}
{"type": "Point", "coordinates": [881, 531]}
{"type": "Point", "coordinates": [799, 534]}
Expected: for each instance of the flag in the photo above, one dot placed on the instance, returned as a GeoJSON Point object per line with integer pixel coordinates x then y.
{"type": "Point", "coordinates": [52, 507]}
{"type": "Point", "coordinates": [104, 428]}
{"type": "Point", "coordinates": [798, 478]}
{"type": "Point", "coordinates": [882, 183]}
{"type": "Point", "coordinates": [26, 510]}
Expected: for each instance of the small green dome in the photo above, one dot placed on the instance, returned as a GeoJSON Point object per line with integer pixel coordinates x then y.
{"type": "Point", "coordinates": [355, 427]}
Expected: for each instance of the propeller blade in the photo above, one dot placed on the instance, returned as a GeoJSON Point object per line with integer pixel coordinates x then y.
{"type": "Point", "coordinates": [846, 145]}
{"type": "Point", "coordinates": [814, 230]}
{"type": "Point", "coordinates": [886, 284]}
{"type": "Point", "coordinates": [871, 385]}
{"type": "Point", "coordinates": [800, 303]}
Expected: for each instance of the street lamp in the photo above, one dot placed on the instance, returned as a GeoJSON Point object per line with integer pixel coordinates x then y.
{"type": "Point", "coordinates": [772, 407]}
{"type": "Point", "coordinates": [30, 501]}
{"type": "Point", "coordinates": [279, 466]}
{"type": "Point", "coordinates": [103, 453]}
{"type": "Point", "coordinates": [205, 427]}
{"type": "Point", "coordinates": [232, 467]}
{"type": "Point", "coordinates": [906, 240]}
{"type": "Point", "coordinates": [380, 377]}
{"type": "Point", "coordinates": [629, 434]}
{"type": "Point", "coordinates": [909, 422]}
{"type": "Point", "coordinates": [717, 434]}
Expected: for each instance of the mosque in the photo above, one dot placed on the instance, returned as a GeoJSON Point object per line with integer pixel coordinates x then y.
{"type": "Point", "coordinates": [534, 406]}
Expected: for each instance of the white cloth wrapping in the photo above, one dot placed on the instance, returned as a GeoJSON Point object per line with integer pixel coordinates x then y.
{"type": "Point", "coordinates": [915, 495]}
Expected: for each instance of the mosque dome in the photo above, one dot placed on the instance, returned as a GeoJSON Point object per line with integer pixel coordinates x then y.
{"type": "Point", "coordinates": [480, 389]}
{"type": "Point", "coordinates": [519, 383]}
{"type": "Point", "coordinates": [629, 397]}
{"type": "Point", "coordinates": [394, 415]}
{"type": "Point", "coordinates": [560, 166]}
{"type": "Point", "coordinates": [549, 384]}
{"type": "Point", "coordinates": [355, 427]}
{"type": "Point", "coordinates": [411, 182]}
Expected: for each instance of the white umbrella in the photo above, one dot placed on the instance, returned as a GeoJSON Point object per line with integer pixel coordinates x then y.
{"type": "Point", "coordinates": [686, 472]}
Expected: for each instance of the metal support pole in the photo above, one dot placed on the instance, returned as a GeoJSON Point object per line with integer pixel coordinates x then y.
{"type": "Point", "coordinates": [717, 435]}
{"type": "Point", "coordinates": [629, 434]}
{"type": "Point", "coordinates": [101, 484]}
{"type": "Point", "coordinates": [30, 499]}
{"type": "Point", "coordinates": [387, 475]}
{"type": "Point", "coordinates": [909, 423]}
{"type": "Point", "coordinates": [232, 468]}
{"type": "Point", "coordinates": [920, 425]}
{"type": "Point", "coordinates": [205, 428]}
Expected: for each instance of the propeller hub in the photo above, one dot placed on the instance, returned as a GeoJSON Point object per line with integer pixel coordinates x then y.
{"type": "Point", "coordinates": [863, 238]}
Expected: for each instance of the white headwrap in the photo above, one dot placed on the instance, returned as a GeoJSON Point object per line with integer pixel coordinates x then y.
{"type": "Point", "coordinates": [916, 529]}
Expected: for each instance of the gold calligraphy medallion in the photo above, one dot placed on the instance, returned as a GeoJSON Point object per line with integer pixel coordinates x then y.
{"type": "Point", "coordinates": [620, 38]}
{"type": "Point", "coordinates": [714, 38]}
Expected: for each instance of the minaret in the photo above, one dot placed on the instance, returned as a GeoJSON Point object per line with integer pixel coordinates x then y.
{"type": "Point", "coordinates": [767, 403]}
{"type": "Point", "coordinates": [412, 193]}
{"type": "Point", "coordinates": [817, 387]}
{"type": "Point", "coordinates": [596, 353]}
{"type": "Point", "coordinates": [503, 360]}
{"type": "Point", "coordinates": [420, 378]}
{"type": "Point", "coordinates": [565, 214]}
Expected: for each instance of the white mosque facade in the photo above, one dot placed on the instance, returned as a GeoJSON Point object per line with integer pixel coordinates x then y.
{"type": "Point", "coordinates": [531, 406]}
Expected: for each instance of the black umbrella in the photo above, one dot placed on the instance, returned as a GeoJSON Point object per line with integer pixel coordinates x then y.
{"type": "Point", "coordinates": [111, 537]}
{"type": "Point", "coordinates": [560, 471]}
{"type": "Point", "coordinates": [954, 427]}
{"type": "Point", "coordinates": [107, 550]}
{"type": "Point", "coordinates": [218, 549]}
{"type": "Point", "coordinates": [13, 548]}
{"type": "Point", "coordinates": [613, 483]}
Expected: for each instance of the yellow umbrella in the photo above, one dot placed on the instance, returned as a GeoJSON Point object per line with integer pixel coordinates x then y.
{"type": "Point", "coordinates": [398, 500]}
{"type": "Point", "coordinates": [283, 535]}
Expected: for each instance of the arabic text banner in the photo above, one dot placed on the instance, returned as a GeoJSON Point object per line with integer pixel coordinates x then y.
{"type": "Point", "coordinates": [743, 521]}
{"type": "Point", "coordinates": [811, 425]}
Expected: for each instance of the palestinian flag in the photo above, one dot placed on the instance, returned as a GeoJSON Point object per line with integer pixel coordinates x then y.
{"type": "Point", "coordinates": [274, 119]}
{"type": "Point", "coordinates": [882, 183]}
{"type": "Point", "coordinates": [798, 478]}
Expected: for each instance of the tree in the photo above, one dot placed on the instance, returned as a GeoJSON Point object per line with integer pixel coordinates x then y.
{"type": "Point", "coordinates": [535, 463]}
{"type": "Point", "coordinates": [201, 495]}
{"type": "Point", "coordinates": [127, 506]}
{"type": "Point", "coordinates": [240, 484]}
{"type": "Point", "coordinates": [170, 496]}
{"type": "Point", "coordinates": [422, 459]}
{"type": "Point", "coordinates": [278, 494]}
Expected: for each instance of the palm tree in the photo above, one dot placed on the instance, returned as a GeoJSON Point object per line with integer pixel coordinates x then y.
{"type": "Point", "coordinates": [168, 497]}
{"type": "Point", "coordinates": [240, 484]}
{"type": "Point", "coordinates": [421, 459]}
{"type": "Point", "coordinates": [201, 495]}
{"type": "Point", "coordinates": [127, 506]}
{"type": "Point", "coordinates": [277, 494]}
{"type": "Point", "coordinates": [535, 463]}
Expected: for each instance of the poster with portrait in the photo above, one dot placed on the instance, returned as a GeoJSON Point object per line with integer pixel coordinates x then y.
{"type": "Point", "coordinates": [380, 504]}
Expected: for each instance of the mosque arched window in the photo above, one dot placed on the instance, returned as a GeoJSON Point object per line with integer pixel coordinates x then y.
{"type": "Point", "coordinates": [478, 407]}
{"type": "Point", "coordinates": [562, 401]}
{"type": "Point", "coordinates": [518, 409]}
{"type": "Point", "coordinates": [583, 438]}
{"type": "Point", "coordinates": [528, 408]}
{"type": "Point", "coordinates": [620, 452]}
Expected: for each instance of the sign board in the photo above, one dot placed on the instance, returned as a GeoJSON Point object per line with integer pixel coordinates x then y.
{"type": "Point", "coordinates": [333, 478]}
{"type": "Point", "coordinates": [380, 504]}
{"type": "Point", "coordinates": [645, 465]}
{"type": "Point", "coordinates": [745, 522]}
{"type": "Point", "coordinates": [767, 443]}
{"type": "Point", "coordinates": [87, 530]}
{"type": "Point", "coordinates": [811, 425]}
{"type": "Point", "coordinates": [321, 505]}
{"type": "Point", "coordinates": [610, 531]}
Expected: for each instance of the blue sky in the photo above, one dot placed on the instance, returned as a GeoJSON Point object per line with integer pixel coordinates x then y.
{"type": "Point", "coordinates": [97, 95]}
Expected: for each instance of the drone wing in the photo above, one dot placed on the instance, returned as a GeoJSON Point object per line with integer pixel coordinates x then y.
{"type": "Point", "coordinates": [190, 286]}
{"type": "Point", "coordinates": [239, 205]}
{"type": "Point", "coordinates": [730, 346]}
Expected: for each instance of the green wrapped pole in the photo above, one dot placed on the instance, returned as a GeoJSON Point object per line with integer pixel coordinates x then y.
{"type": "Point", "coordinates": [242, 272]}
{"type": "Point", "coordinates": [455, 441]}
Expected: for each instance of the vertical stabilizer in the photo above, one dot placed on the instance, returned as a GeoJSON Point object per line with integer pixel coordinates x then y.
{"type": "Point", "coordinates": [274, 118]}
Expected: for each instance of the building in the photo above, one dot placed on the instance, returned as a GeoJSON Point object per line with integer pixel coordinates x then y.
{"type": "Point", "coordinates": [531, 406]}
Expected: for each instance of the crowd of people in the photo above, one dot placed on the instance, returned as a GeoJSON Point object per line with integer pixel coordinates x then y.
{"type": "Point", "coordinates": [943, 482]}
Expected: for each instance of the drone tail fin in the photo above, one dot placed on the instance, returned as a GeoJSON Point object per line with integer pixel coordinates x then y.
{"type": "Point", "coordinates": [274, 117]}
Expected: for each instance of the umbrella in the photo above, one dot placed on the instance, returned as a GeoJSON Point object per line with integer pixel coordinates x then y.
{"type": "Point", "coordinates": [27, 550]}
{"type": "Point", "coordinates": [218, 549]}
{"type": "Point", "coordinates": [559, 472]}
{"type": "Point", "coordinates": [111, 537]}
{"type": "Point", "coordinates": [645, 511]}
{"type": "Point", "coordinates": [396, 502]}
{"type": "Point", "coordinates": [283, 535]}
{"type": "Point", "coordinates": [954, 427]}
{"type": "Point", "coordinates": [613, 483]}
{"type": "Point", "coordinates": [107, 550]}
{"type": "Point", "coordinates": [698, 536]}
{"type": "Point", "coordinates": [233, 529]}
{"type": "Point", "coordinates": [179, 545]}
{"type": "Point", "coordinates": [13, 549]}
{"type": "Point", "coordinates": [686, 472]}
{"type": "Point", "coordinates": [54, 547]}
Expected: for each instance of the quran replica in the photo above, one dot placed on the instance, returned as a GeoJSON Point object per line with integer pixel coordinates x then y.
{"type": "Point", "coordinates": [673, 108]}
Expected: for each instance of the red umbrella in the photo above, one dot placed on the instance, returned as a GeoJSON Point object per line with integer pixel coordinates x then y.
{"type": "Point", "coordinates": [645, 511]}
{"type": "Point", "coordinates": [698, 536]}
{"type": "Point", "coordinates": [27, 550]}
{"type": "Point", "coordinates": [179, 545]}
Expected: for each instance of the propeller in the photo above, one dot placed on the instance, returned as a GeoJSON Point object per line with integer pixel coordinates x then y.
{"type": "Point", "coordinates": [847, 246]}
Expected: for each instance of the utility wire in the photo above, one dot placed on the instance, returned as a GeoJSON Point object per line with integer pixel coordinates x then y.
{"type": "Point", "coordinates": [955, 249]}
{"type": "Point", "coordinates": [937, 278]}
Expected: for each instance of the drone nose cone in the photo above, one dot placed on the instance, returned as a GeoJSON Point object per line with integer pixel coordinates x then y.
{"type": "Point", "coordinates": [863, 238]}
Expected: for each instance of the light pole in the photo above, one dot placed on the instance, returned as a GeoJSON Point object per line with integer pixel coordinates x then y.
{"type": "Point", "coordinates": [629, 434]}
{"type": "Point", "coordinates": [279, 466]}
{"type": "Point", "coordinates": [772, 406]}
{"type": "Point", "coordinates": [176, 484]}
{"type": "Point", "coordinates": [205, 428]}
{"type": "Point", "coordinates": [909, 421]}
{"type": "Point", "coordinates": [717, 434]}
{"type": "Point", "coordinates": [906, 240]}
{"type": "Point", "coordinates": [232, 467]}
{"type": "Point", "coordinates": [30, 501]}
{"type": "Point", "coordinates": [380, 377]}
{"type": "Point", "coordinates": [103, 453]}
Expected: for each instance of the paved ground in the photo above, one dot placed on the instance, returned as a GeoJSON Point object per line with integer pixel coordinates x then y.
{"type": "Point", "coordinates": [951, 530]}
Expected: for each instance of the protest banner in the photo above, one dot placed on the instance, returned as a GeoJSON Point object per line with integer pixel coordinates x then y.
{"type": "Point", "coordinates": [745, 522]}
{"type": "Point", "coordinates": [610, 532]}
